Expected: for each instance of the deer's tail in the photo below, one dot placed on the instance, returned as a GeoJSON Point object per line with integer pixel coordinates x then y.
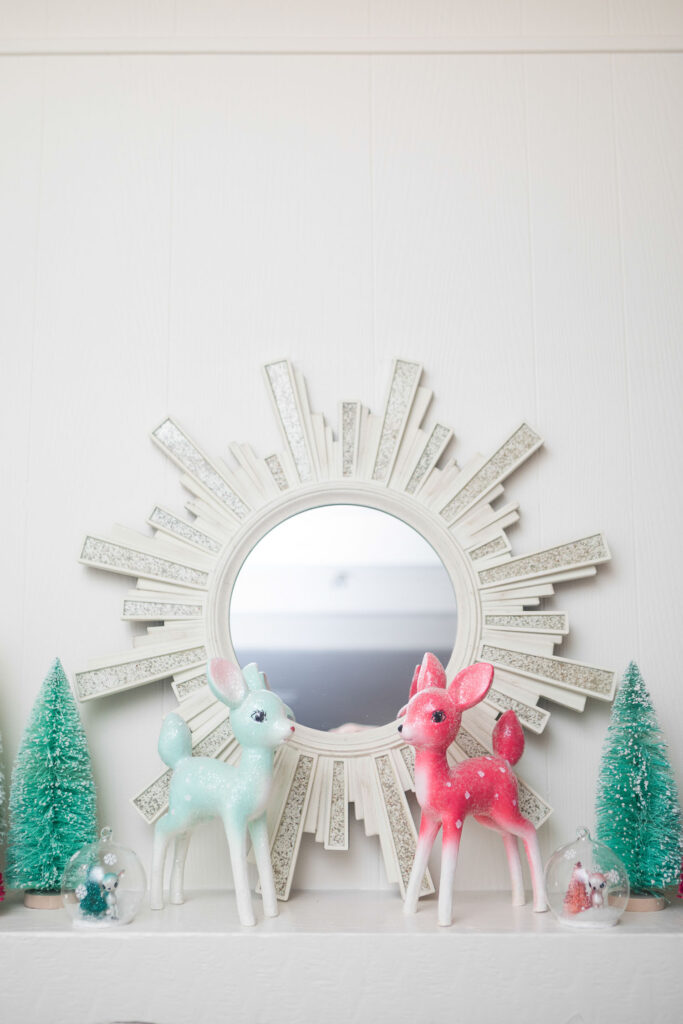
{"type": "Point", "coordinates": [175, 740]}
{"type": "Point", "coordinates": [508, 738]}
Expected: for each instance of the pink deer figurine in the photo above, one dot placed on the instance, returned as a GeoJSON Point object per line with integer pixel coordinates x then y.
{"type": "Point", "coordinates": [597, 884]}
{"type": "Point", "coordinates": [483, 786]}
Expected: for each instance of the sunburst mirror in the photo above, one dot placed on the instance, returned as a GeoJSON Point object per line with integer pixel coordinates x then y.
{"type": "Point", "coordinates": [236, 580]}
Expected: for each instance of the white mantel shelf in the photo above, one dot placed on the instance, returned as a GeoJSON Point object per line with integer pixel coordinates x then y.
{"type": "Point", "coordinates": [340, 957]}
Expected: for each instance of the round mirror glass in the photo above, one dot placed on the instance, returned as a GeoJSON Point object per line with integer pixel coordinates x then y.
{"type": "Point", "coordinates": [338, 605]}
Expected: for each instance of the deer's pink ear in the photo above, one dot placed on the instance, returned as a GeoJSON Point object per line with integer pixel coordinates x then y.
{"type": "Point", "coordinates": [402, 713]}
{"type": "Point", "coordinates": [227, 682]}
{"type": "Point", "coordinates": [471, 685]}
{"type": "Point", "coordinates": [430, 673]}
{"type": "Point", "coordinates": [413, 685]}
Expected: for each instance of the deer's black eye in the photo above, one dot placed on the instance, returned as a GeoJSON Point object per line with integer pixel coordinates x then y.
{"type": "Point", "coordinates": [258, 716]}
{"type": "Point", "coordinates": [438, 716]}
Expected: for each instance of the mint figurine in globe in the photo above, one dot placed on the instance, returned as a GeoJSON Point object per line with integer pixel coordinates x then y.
{"type": "Point", "coordinates": [104, 884]}
{"type": "Point", "coordinates": [52, 805]}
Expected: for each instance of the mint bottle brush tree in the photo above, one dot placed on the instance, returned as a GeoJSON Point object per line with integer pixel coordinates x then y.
{"type": "Point", "coordinates": [637, 808]}
{"type": "Point", "coordinates": [3, 810]}
{"type": "Point", "coordinates": [52, 805]}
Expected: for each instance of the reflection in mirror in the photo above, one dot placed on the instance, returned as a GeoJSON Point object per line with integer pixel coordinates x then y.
{"type": "Point", "coordinates": [338, 605]}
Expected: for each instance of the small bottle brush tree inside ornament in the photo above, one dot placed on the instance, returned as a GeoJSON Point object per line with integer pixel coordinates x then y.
{"type": "Point", "coordinates": [637, 809]}
{"type": "Point", "coordinates": [52, 805]}
{"type": "Point", "coordinates": [103, 884]}
{"type": "Point", "coordinates": [587, 884]}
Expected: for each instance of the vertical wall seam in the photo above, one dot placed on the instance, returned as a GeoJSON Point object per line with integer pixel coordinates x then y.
{"type": "Point", "coordinates": [26, 604]}
{"type": "Point", "coordinates": [371, 158]}
{"type": "Point", "coordinates": [534, 340]}
{"type": "Point", "coordinates": [167, 471]}
{"type": "Point", "coordinates": [627, 366]}
{"type": "Point", "coordinates": [532, 286]}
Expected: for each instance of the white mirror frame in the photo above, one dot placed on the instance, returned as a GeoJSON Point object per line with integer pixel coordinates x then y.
{"type": "Point", "coordinates": [186, 573]}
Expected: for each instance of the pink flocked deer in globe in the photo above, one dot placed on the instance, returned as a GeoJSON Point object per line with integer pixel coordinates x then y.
{"type": "Point", "coordinates": [485, 787]}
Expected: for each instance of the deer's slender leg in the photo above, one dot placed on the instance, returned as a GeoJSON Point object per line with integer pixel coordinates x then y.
{"type": "Point", "coordinates": [515, 865]}
{"type": "Point", "coordinates": [180, 846]}
{"type": "Point", "coordinates": [512, 852]}
{"type": "Point", "coordinates": [429, 828]}
{"type": "Point", "coordinates": [519, 826]}
{"type": "Point", "coordinates": [449, 859]}
{"type": "Point", "coordinates": [533, 853]}
{"type": "Point", "coordinates": [237, 842]}
{"type": "Point", "coordinates": [164, 830]}
{"type": "Point", "coordinates": [259, 840]}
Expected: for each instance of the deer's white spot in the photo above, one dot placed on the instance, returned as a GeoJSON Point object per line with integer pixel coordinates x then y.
{"type": "Point", "coordinates": [480, 774]}
{"type": "Point", "coordinates": [467, 795]}
{"type": "Point", "coordinates": [458, 823]}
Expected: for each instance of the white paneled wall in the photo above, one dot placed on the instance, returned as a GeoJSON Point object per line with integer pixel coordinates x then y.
{"type": "Point", "coordinates": [170, 219]}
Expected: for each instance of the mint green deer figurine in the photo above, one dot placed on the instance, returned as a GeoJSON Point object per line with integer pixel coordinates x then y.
{"type": "Point", "coordinates": [203, 788]}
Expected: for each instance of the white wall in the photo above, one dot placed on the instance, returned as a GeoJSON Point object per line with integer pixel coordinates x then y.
{"type": "Point", "coordinates": [170, 220]}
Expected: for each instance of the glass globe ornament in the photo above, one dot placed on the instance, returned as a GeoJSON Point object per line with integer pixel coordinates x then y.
{"type": "Point", "coordinates": [103, 884]}
{"type": "Point", "coordinates": [586, 883]}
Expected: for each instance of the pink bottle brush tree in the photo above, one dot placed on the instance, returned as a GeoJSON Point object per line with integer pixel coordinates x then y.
{"type": "Point", "coordinates": [576, 898]}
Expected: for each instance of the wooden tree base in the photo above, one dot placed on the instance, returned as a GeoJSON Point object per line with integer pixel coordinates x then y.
{"type": "Point", "coordinates": [645, 902]}
{"type": "Point", "coordinates": [42, 900]}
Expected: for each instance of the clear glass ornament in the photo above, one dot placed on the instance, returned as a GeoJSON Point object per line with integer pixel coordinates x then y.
{"type": "Point", "coordinates": [586, 883]}
{"type": "Point", "coordinates": [103, 884]}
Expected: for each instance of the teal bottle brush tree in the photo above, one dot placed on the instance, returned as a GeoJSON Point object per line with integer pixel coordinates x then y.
{"type": "Point", "coordinates": [3, 809]}
{"type": "Point", "coordinates": [52, 805]}
{"type": "Point", "coordinates": [637, 807]}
